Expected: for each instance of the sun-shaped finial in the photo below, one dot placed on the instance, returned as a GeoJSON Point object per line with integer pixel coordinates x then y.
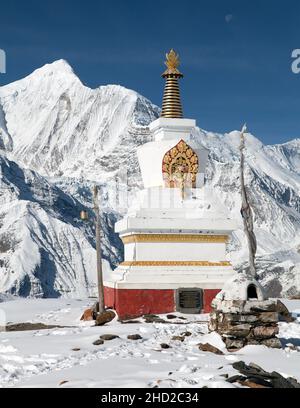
{"type": "Point", "coordinates": [172, 60]}
{"type": "Point", "coordinates": [172, 63]}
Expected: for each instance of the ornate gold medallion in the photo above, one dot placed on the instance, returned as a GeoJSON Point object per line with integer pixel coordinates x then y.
{"type": "Point", "coordinates": [180, 166]}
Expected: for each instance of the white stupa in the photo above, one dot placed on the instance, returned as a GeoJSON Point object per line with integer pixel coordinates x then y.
{"type": "Point", "coordinates": [175, 233]}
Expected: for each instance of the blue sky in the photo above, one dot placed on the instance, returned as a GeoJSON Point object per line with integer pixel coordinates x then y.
{"type": "Point", "coordinates": [236, 54]}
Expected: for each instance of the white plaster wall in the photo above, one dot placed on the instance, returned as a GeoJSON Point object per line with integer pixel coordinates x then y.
{"type": "Point", "coordinates": [171, 128]}
{"type": "Point", "coordinates": [130, 252]}
{"type": "Point", "coordinates": [159, 202]}
{"type": "Point", "coordinates": [175, 225]}
{"type": "Point", "coordinates": [175, 251]}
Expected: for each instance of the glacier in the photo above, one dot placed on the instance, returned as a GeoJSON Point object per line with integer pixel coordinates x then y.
{"type": "Point", "coordinates": [58, 138]}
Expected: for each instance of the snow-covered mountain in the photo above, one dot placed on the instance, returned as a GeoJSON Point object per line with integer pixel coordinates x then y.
{"type": "Point", "coordinates": [52, 123]}
{"type": "Point", "coordinates": [57, 137]}
{"type": "Point", "coordinates": [273, 182]}
{"type": "Point", "coordinates": [45, 250]}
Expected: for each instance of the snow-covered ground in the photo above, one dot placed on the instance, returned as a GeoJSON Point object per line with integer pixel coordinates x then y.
{"type": "Point", "coordinates": [66, 357]}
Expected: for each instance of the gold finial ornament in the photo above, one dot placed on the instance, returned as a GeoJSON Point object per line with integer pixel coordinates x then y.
{"type": "Point", "coordinates": [171, 107]}
{"type": "Point", "coordinates": [172, 64]}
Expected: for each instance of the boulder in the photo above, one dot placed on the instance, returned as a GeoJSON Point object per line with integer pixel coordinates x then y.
{"type": "Point", "coordinates": [98, 342]}
{"type": "Point", "coordinates": [256, 377]}
{"type": "Point", "coordinates": [267, 317]}
{"type": "Point", "coordinates": [252, 384]}
{"type": "Point", "coordinates": [178, 338]}
{"type": "Point", "coordinates": [291, 346]}
{"type": "Point", "coordinates": [239, 365]}
{"type": "Point", "coordinates": [186, 334]}
{"type": "Point", "coordinates": [280, 382]}
{"type": "Point", "coordinates": [134, 337]}
{"type": "Point", "coordinates": [273, 343]}
{"type": "Point", "coordinates": [265, 332]}
{"type": "Point", "coordinates": [63, 382]}
{"type": "Point", "coordinates": [105, 317]}
{"type": "Point", "coordinates": [256, 367]}
{"type": "Point", "coordinates": [239, 330]}
{"type": "Point", "coordinates": [253, 342]}
{"type": "Point", "coordinates": [233, 344]}
{"type": "Point", "coordinates": [109, 337]}
{"type": "Point", "coordinates": [234, 318]}
{"type": "Point", "coordinates": [236, 378]}
{"type": "Point", "coordinates": [153, 319]}
{"type": "Point", "coordinates": [254, 306]}
{"type": "Point", "coordinates": [224, 375]}
{"type": "Point", "coordinates": [88, 315]}
{"type": "Point", "coordinates": [165, 346]}
{"type": "Point", "coordinates": [171, 316]}
{"type": "Point", "coordinates": [294, 382]}
{"type": "Point", "coordinates": [258, 380]}
{"type": "Point", "coordinates": [252, 370]}
{"type": "Point", "coordinates": [129, 321]}
{"type": "Point", "coordinates": [228, 306]}
{"type": "Point", "coordinates": [28, 326]}
{"type": "Point", "coordinates": [213, 324]}
{"type": "Point", "coordinates": [210, 348]}
{"type": "Point", "coordinates": [284, 314]}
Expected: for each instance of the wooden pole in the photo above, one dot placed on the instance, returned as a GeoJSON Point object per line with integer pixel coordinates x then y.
{"type": "Point", "coordinates": [247, 212]}
{"type": "Point", "coordinates": [98, 250]}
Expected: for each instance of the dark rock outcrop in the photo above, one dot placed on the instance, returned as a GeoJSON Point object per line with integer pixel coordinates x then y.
{"type": "Point", "coordinates": [210, 348]}
{"type": "Point", "coordinates": [242, 323]}
{"type": "Point", "coordinates": [254, 376]}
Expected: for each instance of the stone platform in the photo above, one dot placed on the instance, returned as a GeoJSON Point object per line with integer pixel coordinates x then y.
{"type": "Point", "coordinates": [250, 322]}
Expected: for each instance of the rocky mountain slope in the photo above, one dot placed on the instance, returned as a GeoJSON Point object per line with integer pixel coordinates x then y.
{"type": "Point", "coordinates": [58, 137]}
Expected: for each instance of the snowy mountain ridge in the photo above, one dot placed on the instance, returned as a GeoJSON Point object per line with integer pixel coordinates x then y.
{"type": "Point", "coordinates": [58, 137]}
{"type": "Point", "coordinates": [52, 116]}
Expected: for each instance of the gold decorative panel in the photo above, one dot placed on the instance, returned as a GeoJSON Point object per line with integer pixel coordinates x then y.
{"type": "Point", "coordinates": [180, 166]}
{"type": "Point", "coordinates": [128, 239]}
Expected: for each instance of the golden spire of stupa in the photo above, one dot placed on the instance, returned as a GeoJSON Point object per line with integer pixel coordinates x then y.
{"type": "Point", "coordinates": [171, 107]}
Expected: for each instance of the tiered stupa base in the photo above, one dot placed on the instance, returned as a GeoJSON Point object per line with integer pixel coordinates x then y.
{"type": "Point", "coordinates": [175, 260]}
{"type": "Point", "coordinates": [131, 303]}
{"type": "Point", "coordinates": [160, 290]}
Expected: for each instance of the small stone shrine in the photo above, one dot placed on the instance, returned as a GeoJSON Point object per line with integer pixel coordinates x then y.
{"type": "Point", "coordinates": [243, 316]}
